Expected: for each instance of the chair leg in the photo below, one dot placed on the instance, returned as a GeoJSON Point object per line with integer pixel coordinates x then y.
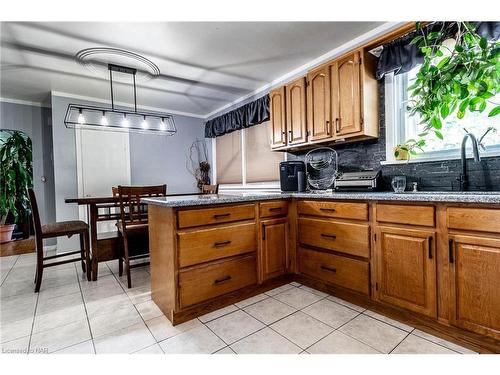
{"type": "Point", "coordinates": [127, 262]}
{"type": "Point", "coordinates": [82, 251]}
{"type": "Point", "coordinates": [86, 245]}
{"type": "Point", "coordinates": [39, 265]}
{"type": "Point", "coordinates": [120, 256]}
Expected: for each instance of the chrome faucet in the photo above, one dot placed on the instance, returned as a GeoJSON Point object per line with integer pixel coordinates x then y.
{"type": "Point", "coordinates": [463, 179]}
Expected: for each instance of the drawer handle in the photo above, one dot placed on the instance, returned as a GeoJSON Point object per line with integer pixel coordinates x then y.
{"type": "Point", "coordinates": [430, 247]}
{"type": "Point", "coordinates": [326, 268]}
{"type": "Point", "coordinates": [275, 209]}
{"type": "Point", "coordinates": [450, 251]}
{"type": "Point", "coordinates": [327, 209]}
{"type": "Point", "coordinates": [224, 279]}
{"type": "Point", "coordinates": [222, 243]}
{"type": "Point", "coordinates": [329, 236]}
{"type": "Point", "coordinates": [220, 216]}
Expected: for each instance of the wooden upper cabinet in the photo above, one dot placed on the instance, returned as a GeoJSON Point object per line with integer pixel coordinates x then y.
{"type": "Point", "coordinates": [406, 264]}
{"type": "Point", "coordinates": [346, 94]}
{"type": "Point", "coordinates": [475, 287]}
{"type": "Point", "coordinates": [278, 117]}
{"type": "Point", "coordinates": [318, 104]}
{"type": "Point", "coordinates": [296, 116]}
{"type": "Point", "coordinates": [274, 247]}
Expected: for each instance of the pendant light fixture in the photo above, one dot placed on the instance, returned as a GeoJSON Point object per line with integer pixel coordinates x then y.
{"type": "Point", "coordinates": [102, 118]}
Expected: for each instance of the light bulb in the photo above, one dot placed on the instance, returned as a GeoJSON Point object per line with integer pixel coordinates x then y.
{"type": "Point", "coordinates": [104, 120]}
{"type": "Point", "coordinates": [144, 124]}
{"type": "Point", "coordinates": [125, 121]}
{"type": "Point", "coordinates": [163, 127]}
{"type": "Point", "coordinates": [81, 117]}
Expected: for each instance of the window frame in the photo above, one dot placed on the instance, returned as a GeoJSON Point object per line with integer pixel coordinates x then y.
{"type": "Point", "coordinates": [395, 128]}
{"type": "Point", "coordinates": [244, 186]}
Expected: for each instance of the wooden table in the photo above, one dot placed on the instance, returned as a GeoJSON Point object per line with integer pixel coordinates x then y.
{"type": "Point", "coordinates": [104, 246]}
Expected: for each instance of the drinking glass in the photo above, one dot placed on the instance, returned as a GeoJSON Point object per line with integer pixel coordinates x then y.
{"type": "Point", "coordinates": [399, 184]}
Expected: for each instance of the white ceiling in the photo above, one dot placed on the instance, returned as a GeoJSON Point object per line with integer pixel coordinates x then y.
{"type": "Point", "coordinates": [204, 65]}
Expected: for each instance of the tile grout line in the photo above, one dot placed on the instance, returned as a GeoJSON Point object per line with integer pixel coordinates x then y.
{"type": "Point", "coordinates": [399, 343]}
{"type": "Point", "coordinates": [135, 307]}
{"type": "Point", "coordinates": [86, 312]}
{"type": "Point", "coordinates": [33, 322]}
{"type": "Point", "coordinates": [10, 269]}
{"type": "Point", "coordinates": [443, 346]}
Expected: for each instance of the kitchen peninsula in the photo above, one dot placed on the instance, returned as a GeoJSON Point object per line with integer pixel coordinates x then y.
{"type": "Point", "coordinates": [429, 258]}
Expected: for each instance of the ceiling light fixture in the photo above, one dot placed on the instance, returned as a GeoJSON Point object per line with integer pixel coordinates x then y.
{"type": "Point", "coordinates": [102, 118]}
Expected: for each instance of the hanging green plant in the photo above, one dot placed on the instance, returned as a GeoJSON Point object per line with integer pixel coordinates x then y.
{"type": "Point", "coordinates": [460, 73]}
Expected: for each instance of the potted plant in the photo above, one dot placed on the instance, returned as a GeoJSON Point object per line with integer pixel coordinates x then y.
{"type": "Point", "coordinates": [16, 175]}
{"type": "Point", "coordinates": [459, 74]}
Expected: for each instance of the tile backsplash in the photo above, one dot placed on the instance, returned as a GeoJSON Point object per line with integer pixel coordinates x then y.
{"type": "Point", "coordinates": [439, 175]}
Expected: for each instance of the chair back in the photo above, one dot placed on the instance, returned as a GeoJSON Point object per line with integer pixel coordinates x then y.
{"type": "Point", "coordinates": [210, 189]}
{"type": "Point", "coordinates": [114, 191]}
{"type": "Point", "coordinates": [132, 211]}
{"type": "Point", "coordinates": [35, 213]}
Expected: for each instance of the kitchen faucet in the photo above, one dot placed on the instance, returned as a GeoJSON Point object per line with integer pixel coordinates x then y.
{"type": "Point", "coordinates": [463, 179]}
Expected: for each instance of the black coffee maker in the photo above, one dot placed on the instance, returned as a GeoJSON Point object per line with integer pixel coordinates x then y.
{"type": "Point", "coordinates": [293, 176]}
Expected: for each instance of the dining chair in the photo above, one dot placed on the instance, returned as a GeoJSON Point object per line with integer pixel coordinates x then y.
{"type": "Point", "coordinates": [210, 189]}
{"type": "Point", "coordinates": [53, 230]}
{"type": "Point", "coordinates": [114, 191]}
{"type": "Point", "coordinates": [134, 222]}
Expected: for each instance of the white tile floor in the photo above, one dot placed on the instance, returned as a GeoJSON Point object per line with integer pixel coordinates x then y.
{"type": "Point", "coordinates": [71, 315]}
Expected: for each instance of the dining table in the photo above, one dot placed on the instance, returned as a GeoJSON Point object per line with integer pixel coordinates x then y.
{"type": "Point", "coordinates": [104, 246]}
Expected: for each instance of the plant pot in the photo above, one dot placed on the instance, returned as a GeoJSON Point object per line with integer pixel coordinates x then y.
{"type": "Point", "coordinates": [402, 154]}
{"type": "Point", "coordinates": [6, 232]}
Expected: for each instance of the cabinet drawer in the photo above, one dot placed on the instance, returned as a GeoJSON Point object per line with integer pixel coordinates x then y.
{"type": "Point", "coordinates": [480, 219]}
{"type": "Point", "coordinates": [346, 238]}
{"type": "Point", "coordinates": [200, 284]}
{"type": "Point", "coordinates": [275, 208]}
{"type": "Point", "coordinates": [339, 270]}
{"type": "Point", "coordinates": [214, 215]}
{"type": "Point", "coordinates": [345, 210]}
{"type": "Point", "coordinates": [403, 214]}
{"type": "Point", "coordinates": [204, 245]}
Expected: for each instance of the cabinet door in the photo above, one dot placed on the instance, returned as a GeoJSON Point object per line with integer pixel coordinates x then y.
{"type": "Point", "coordinates": [296, 111]}
{"type": "Point", "coordinates": [278, 117]}
{"type": "Point", "coordinates": [406, 264]}
{"type": "Point", "coordinates": [274, 259]}
{"type": "Point", "coordinates": [346, 94]}
{"type": "Point", "coordinates": [318, 103]}
{"type": "Point", "coordinates": [475, 283]}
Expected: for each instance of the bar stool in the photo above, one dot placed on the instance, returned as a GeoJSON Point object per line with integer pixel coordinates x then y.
{"type": "Point", "coordinates": [53, 230]}
{"type": "Point", "coordinates": [134, 222]}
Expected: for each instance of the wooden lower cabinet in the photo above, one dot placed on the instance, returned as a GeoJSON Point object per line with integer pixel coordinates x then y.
{"type": "Point", "coordinates": [406, 267]}
{"type": "Point", "coordinates": [475, 283]}
{"type": "Point", "coordinates": [339, 270]}
{"type": "Point", "coordinates": [274, 248]}
{"type": "Point", "coordinates": [203, 283]}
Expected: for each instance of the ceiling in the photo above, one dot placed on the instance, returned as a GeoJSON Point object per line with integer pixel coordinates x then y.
{"type": "Point", "coordinates": [203, 65]}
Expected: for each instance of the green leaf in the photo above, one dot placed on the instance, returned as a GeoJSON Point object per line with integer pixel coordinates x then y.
{"type": "Point", "coordinates": [443, 62]}
{"type": "Point", "coordinates": [438, 134]}
{"type": "Point", "coordinates": [483, 43]}
{"type": "Point", "coordinates": [463, 105]}
{"type": "Point", "coordinates": [495, 111]}
{"type": "Point", "coordinates": [416, 39]}
{"type": "Point", "coordinates": [460, 115]}
{"type": "Point", "coordinates": [436, 122]}
{"type": "Point", "coordinates": [445, 110]}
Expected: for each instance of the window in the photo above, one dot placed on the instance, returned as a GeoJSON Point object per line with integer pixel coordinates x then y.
{"type": "Point", "coordinates": [401, 127]}
{"type": "Point", "coordinates": [244, 159]}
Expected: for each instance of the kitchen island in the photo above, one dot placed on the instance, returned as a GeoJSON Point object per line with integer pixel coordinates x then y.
{"type": "Point", "coordinates": [431, 259]}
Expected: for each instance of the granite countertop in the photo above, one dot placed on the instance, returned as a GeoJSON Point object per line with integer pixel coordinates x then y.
{"type": "Point", "coordinates": [212, 199]}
